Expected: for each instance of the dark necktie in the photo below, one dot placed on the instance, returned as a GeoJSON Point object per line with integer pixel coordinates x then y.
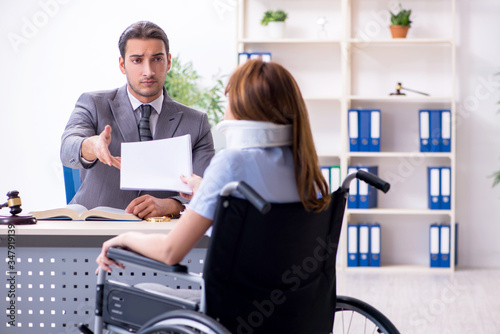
{"type": "Point", "coordinates": [144, 129]}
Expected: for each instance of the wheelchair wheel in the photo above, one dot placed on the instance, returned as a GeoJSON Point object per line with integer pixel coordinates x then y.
{"type": "Point", "coordinates": [183, 322]}
{"type": "Point", "coordinates": [355, 316]}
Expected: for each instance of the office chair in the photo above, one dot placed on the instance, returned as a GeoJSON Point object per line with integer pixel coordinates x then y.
{"type": "Point", "coordinates": [71, 182]}
{"type": "Point", "coordinates": [267, 270]}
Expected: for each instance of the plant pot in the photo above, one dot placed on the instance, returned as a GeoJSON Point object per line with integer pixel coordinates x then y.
{"type": "Point", "coordinates": [399, 31]}
{"type": "Point", "coordinates": [276, 30]}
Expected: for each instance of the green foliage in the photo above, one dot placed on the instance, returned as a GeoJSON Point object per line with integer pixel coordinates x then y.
{"type": "Point", "coordinates": [273, 16]}
{"type": "Point", "coordinates": [181, 84]}
{"type": "Point", "coordinates": [496, 178]}
{"type": "Point", "coordinates": [402, 18]}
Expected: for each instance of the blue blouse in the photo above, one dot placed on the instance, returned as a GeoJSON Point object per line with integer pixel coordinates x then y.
{"type": "Point", "coordinates": [269, 170]}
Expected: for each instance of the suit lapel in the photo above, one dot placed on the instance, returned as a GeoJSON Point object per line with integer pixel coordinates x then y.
{"type": "Point", "coordinates": [124, 116]}
{"type": "Point", "coordinates": [169, 119]}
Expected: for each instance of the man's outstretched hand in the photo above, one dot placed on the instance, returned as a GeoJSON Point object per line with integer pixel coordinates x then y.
{"type": "Point", "coordinates": [96, 147]}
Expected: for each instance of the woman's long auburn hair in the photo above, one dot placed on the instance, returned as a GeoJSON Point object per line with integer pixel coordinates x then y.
{"type": "Point", "coordinates": [266, 91]}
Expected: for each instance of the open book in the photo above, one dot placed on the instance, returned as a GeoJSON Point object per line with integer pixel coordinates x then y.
{"type": "Point", "coordinates": [79, 212]}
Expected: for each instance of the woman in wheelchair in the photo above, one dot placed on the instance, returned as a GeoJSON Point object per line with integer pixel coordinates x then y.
{"type": "Point", "coordinates": [263, 273]}
{"type": "Point", "coordinates": [269, 145]}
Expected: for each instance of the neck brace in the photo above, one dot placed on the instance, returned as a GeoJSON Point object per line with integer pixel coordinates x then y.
{"type": "Point", "coordinates": [246, 134]}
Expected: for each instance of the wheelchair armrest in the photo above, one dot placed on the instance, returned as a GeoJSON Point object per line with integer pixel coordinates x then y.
{"type": "Point", "coordinates": [119, 254]}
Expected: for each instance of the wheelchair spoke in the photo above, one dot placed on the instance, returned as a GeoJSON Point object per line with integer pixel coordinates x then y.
{"type": "Point", "coordinates": [349, 321]}
{"type": "Point", "coordinates": [360, 317]}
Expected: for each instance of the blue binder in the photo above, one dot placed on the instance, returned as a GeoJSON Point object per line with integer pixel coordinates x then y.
{"type": "Point", "coordinates": [424, 127]}
{"type": "Point", "coordinates": [266, 56]}
{"type": "Point", "coordinates": [367, 195]}
{"type": "Point", "coordinates": [352, 245]}
{"type": "Point", "coordinates": [445, 131]}
{"type": "Point", "coordinates": [364, 130]}
{"type": "Point", "coordinates": [375, 245]}
{"type": "Point", "coordinates": [326, 174]}
{"type": "Point", "coordinates": [435, 130]}
{"type": "Point", "coordinates": [352, 200]}
{"type": "Point", "coordinates": [434, 245]}
{"type": "Point", "coordinates": [364, 245]}
{"type": "Point", "coordinates": [444, 246]}
{"type": "Point", "coordinates": [445, 189]}
{"type": "Point", "coordinates": [353, 119]}
{"type": "Point", "coordinates": [434, 188]}
{"type": "Point", "coordinates": [334, 178]}
{"type": "Point", "coordinates": [243, 57]}
{"type": "Point", "coordinates": [375, 130]}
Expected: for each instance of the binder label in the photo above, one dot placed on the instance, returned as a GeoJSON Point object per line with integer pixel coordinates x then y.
{"type": "Point", "coordinates": [375, 240]}
{"type": "Point", "coordinates": [353, 124]}
{"type": "Point", "coordinates": [446, 124]}
{"type": "Point", "coordinates": [434, 185]}
{"type": "Point", "coordinates": [353, 240]}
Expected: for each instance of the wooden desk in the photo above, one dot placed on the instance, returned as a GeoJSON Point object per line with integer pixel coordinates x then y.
{"type": "Point", "coordinates": [90, 227]}
{"type": "Point", "coordinates": [54, 271]}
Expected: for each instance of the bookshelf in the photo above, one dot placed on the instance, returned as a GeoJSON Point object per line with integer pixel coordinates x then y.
{"type": "Point", "coordinates": [356, 65]}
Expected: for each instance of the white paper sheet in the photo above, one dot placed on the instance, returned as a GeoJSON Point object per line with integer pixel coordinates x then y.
{"type": "Point", "coordinates": [156, 164]}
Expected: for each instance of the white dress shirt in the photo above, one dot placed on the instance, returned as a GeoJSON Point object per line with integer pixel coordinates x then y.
{"type": "Point", "coordinates": [156, 104]}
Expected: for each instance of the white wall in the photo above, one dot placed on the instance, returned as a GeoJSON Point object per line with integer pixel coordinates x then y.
{"type": "Point", "coordinates": [53, 50]}
{"type": "Point", "coordinates": [67, 47]}
{"type": "Point", "coordinates": [478, 135]}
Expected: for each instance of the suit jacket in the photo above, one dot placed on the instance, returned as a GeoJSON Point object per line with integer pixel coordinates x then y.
{"type": "Point", "coordinates": [93, 111]}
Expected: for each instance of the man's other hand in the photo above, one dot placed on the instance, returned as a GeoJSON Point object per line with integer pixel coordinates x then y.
{"type": "Point", "coordinates": [147, 206]}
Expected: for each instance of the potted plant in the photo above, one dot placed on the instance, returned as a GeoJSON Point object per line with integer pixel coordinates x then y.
{"type": "Point", "coordinates": [400, 22]}
{"type": "Point", "coordinates": [275, 20]}
{"type": "Point", "coordinates": [182, 84]}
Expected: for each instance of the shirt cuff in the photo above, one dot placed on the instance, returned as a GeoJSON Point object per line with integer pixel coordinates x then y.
{"type": "Point", "coordinates": [85, 163]}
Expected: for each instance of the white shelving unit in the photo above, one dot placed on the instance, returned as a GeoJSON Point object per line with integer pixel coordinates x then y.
{"type": "Point", "coordinates": [357, 65]}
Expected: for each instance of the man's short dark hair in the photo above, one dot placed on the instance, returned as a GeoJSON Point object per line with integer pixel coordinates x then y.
{"type": "Point", "coordinates": [142, 30]}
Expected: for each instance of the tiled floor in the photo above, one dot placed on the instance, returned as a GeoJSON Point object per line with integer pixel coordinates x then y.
{"type": "Point", "coordinates": [464, 302]}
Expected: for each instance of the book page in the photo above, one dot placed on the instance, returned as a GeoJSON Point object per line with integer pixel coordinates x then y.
{"type": "Point", "coordinates": [156, 164]}
{"type": "Point", "coordinates": [108, 213]}
{"type": "Point", "coordinates": [69, 212]}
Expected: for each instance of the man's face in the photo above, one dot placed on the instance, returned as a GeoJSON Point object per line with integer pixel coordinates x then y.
{"type": "Point", "coordinates": [146, 64]}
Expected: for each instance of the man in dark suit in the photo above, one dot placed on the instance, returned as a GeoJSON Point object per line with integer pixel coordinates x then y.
{"type": "Point", "coordinates": [102, 120]}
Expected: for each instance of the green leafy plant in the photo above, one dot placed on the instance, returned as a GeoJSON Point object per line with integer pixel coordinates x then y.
{"type": "Point", "coordinates": [182, 84]}
{"type": "Point", "coordinates": [402, 18]}
{"type": "Point", "coordinates": [496, 178]}
{"type": "Point", "coordinates": [273, 16]}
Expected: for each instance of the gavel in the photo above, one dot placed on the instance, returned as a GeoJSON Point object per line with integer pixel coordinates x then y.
{"type": "Point", "coordinates": [14, 203]}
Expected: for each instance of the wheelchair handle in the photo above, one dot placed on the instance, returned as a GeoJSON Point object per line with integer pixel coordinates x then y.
{"type": "Point", "coordinates": [249, 193]}
{"type": "Point", "coordinates": [369, 178]}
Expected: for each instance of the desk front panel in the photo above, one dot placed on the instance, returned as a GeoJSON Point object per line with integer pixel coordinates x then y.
{"type": "Point", "coordinates": [52, 279]}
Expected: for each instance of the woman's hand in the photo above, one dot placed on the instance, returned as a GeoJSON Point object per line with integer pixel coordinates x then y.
{"type": "Point", "coordinates": [193, 182]}
{"type": "Point", "coordinates": [105, 262]}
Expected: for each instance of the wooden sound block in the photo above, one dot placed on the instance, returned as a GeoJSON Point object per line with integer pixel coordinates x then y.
{"type": "Point", "coordinates": [17, 220]}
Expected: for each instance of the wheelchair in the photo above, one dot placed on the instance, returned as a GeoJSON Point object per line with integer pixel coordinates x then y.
{"type": "Point", "coordinates": [268, 269]}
